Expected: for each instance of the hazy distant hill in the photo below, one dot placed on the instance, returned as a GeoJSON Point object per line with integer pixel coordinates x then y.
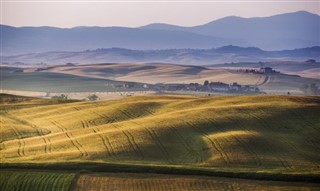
{"type": "Point", "coordinates": [286, 31]}
{"type": "Point", "coordinates": [39, 39]}
{"type": "Point", "coordinates": [178, 56]}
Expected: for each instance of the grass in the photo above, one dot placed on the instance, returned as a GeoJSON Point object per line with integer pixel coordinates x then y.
{"type": "Point", "coordinates": [253, 132]}
{"type": "Point", "coordinates": [11, 180]}
{"type": "Point", "coordinates": [55, 82]}
{"type": "Point", "coordinates": [47, 177]}
{"type": "Point", "coordinates": [243, 173]}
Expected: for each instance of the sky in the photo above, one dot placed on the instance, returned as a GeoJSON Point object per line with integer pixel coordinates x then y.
{"type": "Point", "coordinates": [135, 13]}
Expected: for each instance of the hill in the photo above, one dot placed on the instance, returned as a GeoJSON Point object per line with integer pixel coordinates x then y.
{"type": "Point", "coordinates": [8, 101]}
{"type": "Point", "coordinates": [109, 80]}
{"type": "Point", "coordinates": [60, 83]}
{"type": "Point", "coordinates": [22, 40]}
{"type": "Point", "coordinates": [179, 56]}
{"type": "Point", "coordinates": [285, 31]}
{"type": "Point", "coordinates": [169, 73]}
{"type": "Point", "coordinates": [269, 134]}
{"type": "Point", "coordinates": [305, 69]}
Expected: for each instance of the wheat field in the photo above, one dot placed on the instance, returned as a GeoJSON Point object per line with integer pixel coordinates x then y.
{"type": "Point", "coordinates": [248, 132]}
{"type": "Point", "coordinates": [158, 182]}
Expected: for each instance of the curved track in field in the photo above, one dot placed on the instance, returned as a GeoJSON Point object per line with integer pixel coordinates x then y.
{"type": "Point", "coordinates": [256, 132]}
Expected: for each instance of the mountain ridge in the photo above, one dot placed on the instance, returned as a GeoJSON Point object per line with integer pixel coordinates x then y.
{"type": "Point", "coordinates": [293, 29]}
{"type": "Point", "coordinates": [284, 31]}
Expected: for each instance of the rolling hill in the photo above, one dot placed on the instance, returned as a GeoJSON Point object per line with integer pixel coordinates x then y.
{"type": "Point", "coordinates": [169, 73]}
{"type": "Point", "coordinates": [60, 83]}
{"type": "Point", "coordinates": [305, 69]}
{"type": "Point", "coordinates": [107, 78]}
{"type": "Point", "coordinates": [198, 57]}
{"type": "Point", "coordinates": [79, 81]}
{"type": "Point", "coordinates": [269, 134]}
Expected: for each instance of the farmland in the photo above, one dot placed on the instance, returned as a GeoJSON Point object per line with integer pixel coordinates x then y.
{"type": "Point", "coordinates": [155, 73]}
{"type": "Point", "coordinates": [171, 73]}
{"type": "Point", "coordinates": [109, 79]}
{"type": "Point", "coordinates": [55, 82]}
{"type": "Point", "coordinates": [11, 180]}
{"type": "Point", "coordinates": [253, 137]}
{"type": "Point", "coordinates": [170, 130]}
{"type": "Point", "coordinates": [144, 96]}
{"type": "Point", "coordinates": [60, 180]}
{"type": "Point", "coordinates": [156, 182]}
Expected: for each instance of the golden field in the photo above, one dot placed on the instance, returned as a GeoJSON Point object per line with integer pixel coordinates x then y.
{"type": "Point", "coordinates": [53, 144]}
{"type": "Point", "coordinates": [246, 132]}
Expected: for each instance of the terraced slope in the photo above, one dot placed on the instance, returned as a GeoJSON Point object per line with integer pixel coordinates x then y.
{"type": "Point", "coordinates": [256, 133]}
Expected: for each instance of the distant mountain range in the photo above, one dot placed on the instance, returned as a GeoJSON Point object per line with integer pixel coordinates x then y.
{"type": "Point", "coordinates": [179, 56]}
{"type": "Point", "coordinates": [285, 31]}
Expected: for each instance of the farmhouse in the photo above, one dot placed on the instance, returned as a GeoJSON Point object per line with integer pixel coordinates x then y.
{"type": "Point", "coordinates": [170, 87]}
{"type": "Point", "coordinates": [209, 87]}
{"type": "Point", "coordinates": [145, 86]}
{"type": "Point", "coordinates": [235, 86]}
{"type": "Point", "coordinates": [311, 61]}
{"type": "Point", "coordinates": [248, 88]}
{"type": "Point", "coordinates": [219, 86]}
{"type": "Point", "coordinates": [193, 86]}
{"type": "Point", "coordinates": [128, 85]}
{"type": "Point", "coordinates": [266, 70]}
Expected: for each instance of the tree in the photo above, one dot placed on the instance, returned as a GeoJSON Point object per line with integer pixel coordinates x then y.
{"type": "Point", "coordinates": [311, 89]}
{"type": "Point", "coordinates": [93, 97]}
{"type": "Point", "coordinates": [314, 90]}
{"type": "Point", "coordinates": [206, 83]}
{"type": "Point", "coordinates": [311, 61]}
{"type": "Point", "coordinates": [62, 96]}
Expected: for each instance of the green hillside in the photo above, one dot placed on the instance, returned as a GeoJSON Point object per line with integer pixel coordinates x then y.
{"type": "Point", "coordinates": [55, 82]}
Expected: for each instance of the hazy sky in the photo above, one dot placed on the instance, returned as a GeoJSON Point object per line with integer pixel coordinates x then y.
{"type": "Point", "coordinates": [132, 13]}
